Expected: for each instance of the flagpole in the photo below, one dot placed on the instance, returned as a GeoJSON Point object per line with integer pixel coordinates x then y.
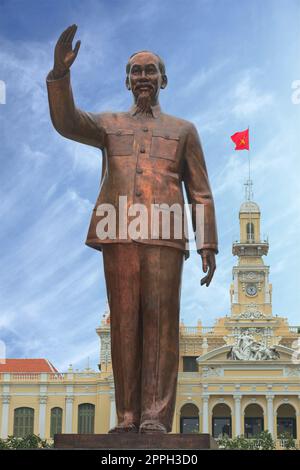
{"type": "Point", "coordinates": [250, 184]}
{"type": "Point", "coordinates": [249, 173]}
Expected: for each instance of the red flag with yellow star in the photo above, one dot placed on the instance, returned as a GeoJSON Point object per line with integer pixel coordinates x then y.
{"type": "Point", "coordinates": [241, 140]}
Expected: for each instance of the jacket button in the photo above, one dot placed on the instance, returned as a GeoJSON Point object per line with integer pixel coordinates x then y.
{"type": "Point", "coordinates": [142, 150]}
{"type": "Point", "coordinates": [138, 193]}
{"type": "Point", "coordinates": [145, 129]}
{"type": "Point", "coordinates": [139, 170]}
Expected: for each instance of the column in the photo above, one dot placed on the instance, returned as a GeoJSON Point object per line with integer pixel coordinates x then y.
{"type": "Point", "coordinates": [267, 289]}
{"type": "Point", "coordinates": [235, 287]}
{"type": "Point", "coordinates": [270, 414]}
{"type": "Point", "coordinates": [298, 421]}
{"type": "Point", "coordinates": [204, 345]}
{"type": "Point", "coordinates": [176, 421]}
{"type": "Point", "coordinates": [5, 415]}
{"type": "Point", "coordinates": [113, 414]}
{"type": "Point", "coordinates": [69, 414]}
{"type": "Point", "coordinates": [205, 413]}
{"type": "Point", "coordinates": [42, 417]}
{"type": "Point", "coordinates": [237, 414]}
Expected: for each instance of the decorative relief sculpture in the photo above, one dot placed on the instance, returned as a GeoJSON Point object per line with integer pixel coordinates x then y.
{"type": "Point", "coordinates": [251, 315]}
{"type": "Point", "coordinates": [248, 349]}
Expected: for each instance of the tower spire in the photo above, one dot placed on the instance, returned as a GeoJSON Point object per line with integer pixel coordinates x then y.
{"type": "Point", "coordinates": [248, 189]}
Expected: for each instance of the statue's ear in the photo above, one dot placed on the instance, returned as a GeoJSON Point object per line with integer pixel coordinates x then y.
{"type": "Point", "coordinates": [164, 82]}
{"type": "Point", "coordinates": [127, 83]}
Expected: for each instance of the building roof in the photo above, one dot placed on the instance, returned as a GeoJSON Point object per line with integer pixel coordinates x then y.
{"type": "Point", "coordinates": [249, 206]}
{"type": "Point", "coordinates": [26, 365]}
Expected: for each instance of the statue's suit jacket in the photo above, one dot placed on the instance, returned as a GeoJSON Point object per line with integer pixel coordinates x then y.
{"type": "Point", "coordinates": [145, 159]}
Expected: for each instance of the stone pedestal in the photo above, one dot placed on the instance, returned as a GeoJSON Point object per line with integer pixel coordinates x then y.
{"type": "Point", "coordinates": [132, 441]}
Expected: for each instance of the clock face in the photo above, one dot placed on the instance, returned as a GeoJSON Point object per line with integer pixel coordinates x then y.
{"type": "Point", "coordinates": [251, 289]}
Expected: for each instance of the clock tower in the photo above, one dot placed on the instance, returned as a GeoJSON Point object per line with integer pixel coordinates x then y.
{"type": "Point", "coordinates": [250, 291]}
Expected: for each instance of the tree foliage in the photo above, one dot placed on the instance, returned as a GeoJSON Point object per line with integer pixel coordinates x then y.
{"type": "Point", "coordinates": [263, 441]}
{"type": "Point", "coordinates": [31, 441]}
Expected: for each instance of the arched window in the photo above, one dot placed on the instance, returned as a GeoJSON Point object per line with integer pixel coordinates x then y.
{"type": "Point", "coordinates": [254, 420]}
{"type": "Point", "coordinates": [23, 421]}
{"type": "Point", "coordinates": [286, 420]}
{"type": "Point", "coordinates": [221, 420]}
{"type": "Point", "coordinates": [189, 419]}
{"type": "Point", "coordinates": [86, 418]}
{"type": "Point", "coordinates": [56, 421]}
{"type": "Point", "coordinates": [250, 231]}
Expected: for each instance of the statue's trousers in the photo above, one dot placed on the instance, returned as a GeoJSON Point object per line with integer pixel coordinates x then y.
{"type": "Point", "coordinates": [143, 286]}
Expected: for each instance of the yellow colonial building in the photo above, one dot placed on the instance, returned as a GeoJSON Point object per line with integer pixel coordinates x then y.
{"type": "Point", "coordinates": [240, 376]}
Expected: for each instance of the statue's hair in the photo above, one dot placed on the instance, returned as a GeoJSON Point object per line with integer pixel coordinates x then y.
{"type": "Point", "coordinates": [161, 64]}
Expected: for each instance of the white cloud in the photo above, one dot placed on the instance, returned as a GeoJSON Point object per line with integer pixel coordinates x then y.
{"type": "Point", "coordinates": [204, 77]}
{"type": "Point", "coordinates": [248, 100]}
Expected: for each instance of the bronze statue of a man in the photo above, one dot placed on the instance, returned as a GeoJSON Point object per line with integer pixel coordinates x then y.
{"type": "Point", "coordinates": [147, 155]}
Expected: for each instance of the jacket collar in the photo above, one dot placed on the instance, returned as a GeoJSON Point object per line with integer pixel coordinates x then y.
{"type": "Point", "coordinates": [156, 110]}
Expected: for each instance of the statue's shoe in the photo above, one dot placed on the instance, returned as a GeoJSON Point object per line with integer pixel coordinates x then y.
{"type": "Point", "coordinates": [152, 427]}
{"type": "Point", "coordinates": [124, 427]}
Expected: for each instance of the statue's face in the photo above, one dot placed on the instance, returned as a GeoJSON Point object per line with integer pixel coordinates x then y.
{"type": "Point", "coordinates": [145, 78]}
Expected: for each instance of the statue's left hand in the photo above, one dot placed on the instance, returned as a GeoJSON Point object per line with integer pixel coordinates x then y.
{"type": "Point", "coordinates": [208, 262]}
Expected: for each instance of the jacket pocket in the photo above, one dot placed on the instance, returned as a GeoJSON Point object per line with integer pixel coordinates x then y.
{"type": "Point", "coordinates": [119, 142]}
{"type": "Point", "coordinates": [164, 144]}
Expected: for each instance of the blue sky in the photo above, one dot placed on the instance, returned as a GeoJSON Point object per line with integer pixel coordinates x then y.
{"type": "Point", "coordinates": [230, 64]}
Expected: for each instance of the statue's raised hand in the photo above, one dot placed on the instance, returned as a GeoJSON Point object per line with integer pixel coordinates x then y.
{"type": "Point", "coordinates": [64, 55]}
